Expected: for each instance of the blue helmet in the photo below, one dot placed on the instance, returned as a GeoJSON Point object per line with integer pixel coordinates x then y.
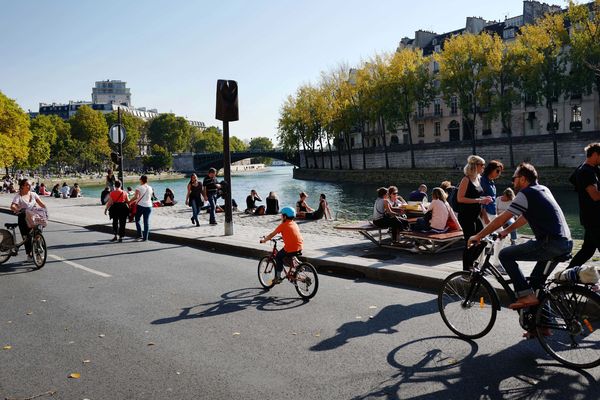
{"type": "Point", "coordinates": [288, 212]}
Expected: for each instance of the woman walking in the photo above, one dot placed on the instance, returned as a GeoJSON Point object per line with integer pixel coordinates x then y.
{"type": "Point", "coordinates": [195, 197]}
{"type": "Point", "coordinates": [143, 201]}
{"type": "Point", "coordinates": [118, 211]}
{"type": "Point", "coordinates": [470, 198]}
{"type": "Point", "coordinates": [23, 201]}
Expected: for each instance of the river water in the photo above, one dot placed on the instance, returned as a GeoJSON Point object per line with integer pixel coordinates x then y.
{"type": "Point", "coordinates": [346, 200]}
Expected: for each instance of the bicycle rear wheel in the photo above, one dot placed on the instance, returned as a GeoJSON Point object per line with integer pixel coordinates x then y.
{"type": "Point", "coordinates": [467, 304]}
{"type": "Point", "coordinates": [38, 245]}
{"type": "Point", "coordinates": [6, 245]}
{"type": "Point", "coordinates": [568, 326]}
{"type": "Point", "coordinates": [266, 272]}
{"type": "Point", "coordinates": [306, 280]}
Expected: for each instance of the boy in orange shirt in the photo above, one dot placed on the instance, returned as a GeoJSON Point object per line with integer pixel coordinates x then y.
{"type": "Point", "coordinates": [292, 240]}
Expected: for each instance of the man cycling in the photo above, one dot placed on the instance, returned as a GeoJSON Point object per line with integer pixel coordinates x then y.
{"type": "Point", "coordinates": [534, 204]}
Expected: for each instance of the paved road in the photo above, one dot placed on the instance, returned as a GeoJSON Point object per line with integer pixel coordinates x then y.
{"type": "Point", "coordinates": [160, 321]}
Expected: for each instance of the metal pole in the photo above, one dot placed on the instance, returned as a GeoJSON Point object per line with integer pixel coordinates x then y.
{"type": "Point", "coordinates": [227, 172]}
{"type": "Point", "coordinates": [120, 149]}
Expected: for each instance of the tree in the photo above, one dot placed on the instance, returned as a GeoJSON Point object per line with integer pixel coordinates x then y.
{"type": "Point", "coordinates": [291, 128]}
{"type": "Point", "coordinates": [14, 133]}
{"type": "Point", "coordinates": [43, 131]}
{"type": "Point", "coordinates": [464, 66]}
{"type": "Point", "coordinates": [90, 129]}
{"type": "Point", "coordinates": [65, 150]}
{"type": "Point", "coordinates": [542, 65]}
{"type": "Point", "coordinates": [260, 143]}
{"type": "Point", "coordinates": [209, 141]}
{"type": "Point", "coordinates": [133, 127]}
{"type": "Point", "coordinates": [237, 144]}
{"type": "Point", "coordinates": [170, 132]}
{"type": "Point", "coordinates": [160, 159]}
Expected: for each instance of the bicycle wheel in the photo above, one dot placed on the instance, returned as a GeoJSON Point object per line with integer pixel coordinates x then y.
{"type": "Point", "coordinates": [468, 305]}
{"type": "Point", "coordinates": [568, 326]}
{"type": "Point", "coordinates": [266, 272]}
{"type": "Point", "coordinates": [39, 250]}
{"type": "Point", "coordinates": [6, 245]}
{"type": "Point", "coordinates": [306, 280]}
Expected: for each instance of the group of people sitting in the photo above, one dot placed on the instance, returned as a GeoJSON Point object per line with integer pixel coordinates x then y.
{"type": "Point", "coordinates": [303, 210]}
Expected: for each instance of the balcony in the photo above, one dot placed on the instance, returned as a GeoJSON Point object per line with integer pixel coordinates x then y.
{"type": "Point", "coordinates": [576, 126]}
{"type": "Point", "coordinates": [429, 115]}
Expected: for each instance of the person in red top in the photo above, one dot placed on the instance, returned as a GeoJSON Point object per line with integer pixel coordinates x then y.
{"type": "Point", "coordinates": [292, 239]}
{"type": "Point", "coordinates": [118, 211]}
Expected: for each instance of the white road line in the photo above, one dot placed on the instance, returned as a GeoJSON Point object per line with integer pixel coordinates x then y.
{"type": "Point", "coordinates": [72, 264]}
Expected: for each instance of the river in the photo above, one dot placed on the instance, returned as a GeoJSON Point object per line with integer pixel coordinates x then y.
{"type": "Point", "coordinates": [346, 200]}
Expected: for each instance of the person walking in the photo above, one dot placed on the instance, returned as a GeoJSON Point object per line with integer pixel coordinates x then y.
{"type": "Point", "coordinates": [587, 178]}
{"type": "Point", "coordinates": [195, 197]}
{"type": "Point", "coordinates": [470, 198]}
{"type": "Point", "coordinates": [211, 187]}
{"type": "Point", "coordinates": [143, 201]}
{"type": "Point", "coordinates": [118, 211]}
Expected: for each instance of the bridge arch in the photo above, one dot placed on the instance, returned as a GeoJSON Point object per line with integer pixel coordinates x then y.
{"type": "Point", "coordinates": [202, 162]}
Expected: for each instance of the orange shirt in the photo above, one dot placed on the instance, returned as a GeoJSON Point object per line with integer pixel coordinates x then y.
{"type": "Point", "coordinates": [292, 239]}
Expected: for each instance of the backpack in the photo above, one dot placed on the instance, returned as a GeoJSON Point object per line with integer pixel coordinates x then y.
{"type": "Point", "coordinates": [453, 200]}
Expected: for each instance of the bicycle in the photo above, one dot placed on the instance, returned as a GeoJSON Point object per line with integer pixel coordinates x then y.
{"type": "Point", "coordinates": [9, 246]}
{"type": "Point", "coordinates": [301, 274]}
{"type": "Point", "coordinates": [566, 322]}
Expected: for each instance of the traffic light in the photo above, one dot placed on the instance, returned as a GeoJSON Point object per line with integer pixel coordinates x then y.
{"type": "Point", "coordinates": [227, 100]}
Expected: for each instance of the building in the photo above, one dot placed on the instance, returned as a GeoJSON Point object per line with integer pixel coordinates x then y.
{"type": "Point", "coordinates": [111, 92]}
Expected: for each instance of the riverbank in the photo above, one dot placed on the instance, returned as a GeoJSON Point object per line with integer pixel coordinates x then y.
{"type": "Point", "coordinates": [95, 180]}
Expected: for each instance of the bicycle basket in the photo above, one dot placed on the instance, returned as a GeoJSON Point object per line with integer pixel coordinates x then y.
{"type": "Point", "coordinates": [37, 217]}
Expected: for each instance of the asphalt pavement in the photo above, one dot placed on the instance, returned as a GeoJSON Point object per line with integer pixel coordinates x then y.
{"type": "Point", "coordinates": [164, 321]}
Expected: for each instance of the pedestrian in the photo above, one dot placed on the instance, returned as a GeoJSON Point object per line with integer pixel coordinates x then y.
{"type": "Point", "coordinates": [118, 210]}
{"type": "Point", "coordinates": [110, 179]}
{"type": "Point", "coordinates": [195, 197]}
{"type": "Point", "coordinates": [491, 172]}
{"type": "Point", "coordinates": [587, 178]}
{"type": "Point", "coordinates": [143, 201]}
{"type": "Point", "coordinates": [211, 186]}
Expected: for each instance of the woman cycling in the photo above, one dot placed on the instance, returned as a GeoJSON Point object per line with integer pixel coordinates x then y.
{"type": "Point", "coordinates": [25, 200]}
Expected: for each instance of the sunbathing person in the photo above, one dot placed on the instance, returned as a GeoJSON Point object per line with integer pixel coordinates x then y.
{"type": "Point", "coordinates": [301, 207]}
{"type": "Point", "coordinates": [439, 217]}
{"type": "Point", "coordinates": [322, 211]}
{"type": "Point", "coordinates": [385, 217]}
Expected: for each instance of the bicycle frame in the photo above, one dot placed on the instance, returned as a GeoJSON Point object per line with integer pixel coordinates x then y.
{"type": "Point", "coordinates": [17, 245]}
{"type": "Point", "coordinates": [289, 263]}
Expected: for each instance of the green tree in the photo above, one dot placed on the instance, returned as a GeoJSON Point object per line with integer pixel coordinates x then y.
{"type": "Point", "coordinates": [542, 65]}
{"type": "Point", "coordinates": [209, 141]}
{"type": "Point", "coordinates": [160, 159]}
{"type": "Point", "coordinates": [65, 150]}
{"type": "Point", "coordinates": [90, 129]}
{"type": "Point", "coordinates": [170, 132]}
{"type": "Point", "coordinates": [133, 127]}
{"type": "Point", "coordinates": [260, 143]}
{"type": "Point", "coordinates": [291, 128]}
{"type": "Point", "coordinates": [237, 144]}
{"type": "Point", "coordinates": [43, 131]}
{"type": "Point", "coordinates": [14, 133]}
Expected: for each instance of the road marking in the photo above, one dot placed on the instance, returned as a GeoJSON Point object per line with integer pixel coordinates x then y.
{"type": "Point", "coordinates": [73, 264]}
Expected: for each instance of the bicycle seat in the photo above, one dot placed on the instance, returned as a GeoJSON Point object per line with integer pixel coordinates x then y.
{"type": "Point", "coordinates": [562, 257]}
{"type": "Point", "coordinates": [11, 226]}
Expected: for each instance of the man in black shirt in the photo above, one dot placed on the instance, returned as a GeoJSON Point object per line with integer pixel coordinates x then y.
{"type": "Point", "coordinates": [211, 186]}
{"type": "Point", "coordinates": [586, 184]}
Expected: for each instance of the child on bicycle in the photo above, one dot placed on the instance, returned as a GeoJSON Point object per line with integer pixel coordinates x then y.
{"type": "Point", "coordinates": [292, 240]}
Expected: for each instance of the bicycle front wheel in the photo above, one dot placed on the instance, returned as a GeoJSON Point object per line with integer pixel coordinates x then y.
{"type": "Point", "coordinates": [38, 244]}
{"type": "Point", "coordinates": [266, 272]}
{"type": "Point", "coordinates": [467, 304]}
{"type": "Point", "coordinates": [568, 326]}
{"type": "Point", "coordinates": [306, 280]}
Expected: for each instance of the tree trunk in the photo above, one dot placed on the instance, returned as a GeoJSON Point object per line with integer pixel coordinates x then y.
{"type": "Point", "coordinates": [473, 138]}
{"type": "Point", "coordinates": [330, 153]}
{"type": "Point", "coordinates": [339, 152]}
{"type": "Point", "coordinates": [362, 142]}
{"type": "Point", "coordinates": [314, 153]}
{"type": "Point", "coordinates": [322, 153]}
{"type": "Point", "coordinates": [385, 150]}
{"type": "Point", "coordinates": [349, 148]}
{"type": "Point", "coordinates": [304, 150]}
{"type": "Point", "coordinates": [410, 142]}
{"type": "Point", "coordinates": [553, 132]}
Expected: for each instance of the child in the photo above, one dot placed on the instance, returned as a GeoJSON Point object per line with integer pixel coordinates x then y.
{"type": "Point", "coordinates": [292, 239]}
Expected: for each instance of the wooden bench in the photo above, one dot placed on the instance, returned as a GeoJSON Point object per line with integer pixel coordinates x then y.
{"type": "Point", "coordinates": [364, 228]}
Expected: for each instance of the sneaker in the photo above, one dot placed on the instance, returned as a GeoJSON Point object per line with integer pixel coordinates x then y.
{"type": "Point", "coordinates": [193, 220]}
{"type": "Point", "coordinates": [213, 223]}
{"type": "Point", "coordinates": [139, 239]}
{"type": "Point", "coordinates": [120, 240]}
{"type": "Point", "coordinates": [29, 259]}
{"type": "Point", "coordinates": [197, 223]}
{"type": "Point", "coordinates": [114, 239]}
{"type": "Point", "coordinates": [276, 280]}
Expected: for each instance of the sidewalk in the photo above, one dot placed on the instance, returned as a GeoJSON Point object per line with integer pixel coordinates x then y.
{"type": "Point", "coordinates": [332, 251]}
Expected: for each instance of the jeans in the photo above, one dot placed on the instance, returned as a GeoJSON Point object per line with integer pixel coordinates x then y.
{"type": "Point", "coordinates": [143, 212]}
{"type": "Point", "coordinates": [281, 254]}
{"type": "Point", "coordinates": [591, 242]}
{"type": "Point", "coordinates": [24, 229]}
{"type": "Point", "coordinates": [533, 250]}
{"type": "Point", "coordinates": [212, 201]}
{"type": "Point", "coordinates": [196, 205]}
{"type": "Point", "coordinates": [513, 234]}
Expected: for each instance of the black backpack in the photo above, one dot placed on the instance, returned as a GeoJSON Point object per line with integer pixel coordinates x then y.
{"type": "Point", "coordinates": [453, 200]}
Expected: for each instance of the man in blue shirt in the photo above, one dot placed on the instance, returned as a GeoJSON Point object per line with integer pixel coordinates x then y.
{"type": "Point", "coordinates": [418, 195]}
{"type": "Point", "coordinates": [534, 204]}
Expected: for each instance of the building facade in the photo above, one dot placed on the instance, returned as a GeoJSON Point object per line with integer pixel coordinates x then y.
{"type": "Point", "coordinates": [111, 92]}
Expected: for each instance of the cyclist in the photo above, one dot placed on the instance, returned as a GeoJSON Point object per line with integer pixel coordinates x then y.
{"type": "Point", "coordinates": [534, 204]}
{"type": "Point", "coordinates": [292, 239]}
{"type": "Point", "coordinates": [25, 200]}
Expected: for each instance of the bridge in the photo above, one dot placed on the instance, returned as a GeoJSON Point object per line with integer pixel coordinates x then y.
{"type": "Point", "coordinates": [202, 162]}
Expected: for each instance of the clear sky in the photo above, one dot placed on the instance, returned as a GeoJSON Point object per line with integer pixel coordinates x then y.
{"type": "Point", "coordinates": [171, 53]}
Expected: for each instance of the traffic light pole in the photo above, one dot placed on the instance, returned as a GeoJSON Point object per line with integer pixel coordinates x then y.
{"type": "Point", "coordinates": [227, 173]}
{"type": "Point", "coordinates": [120, 148]}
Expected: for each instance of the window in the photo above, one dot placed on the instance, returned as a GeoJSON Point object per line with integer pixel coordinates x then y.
{"type": "Point", "coordinates": [487, 127]}
{"type": "Point", "coordinates": [437, 107]}
{"type": "Point", "coordinates": [508, 33]}
{"type": "Point", "coordinates": [575, 114]}
{"type": "Point", "coordinates": [437, 48]}
{"type": "Point", "coordinates": [555, 116]}
{"type": "Point", "coordinates": [454, 105]}
{"type": "Point", "coordinates": [420, 111]}
{"type": "Point", "coordinates": [438, 129]}
{"type": "Point", "coordinates": [394, 139]}
{"type": "Point", "coordinates": [421, 128]}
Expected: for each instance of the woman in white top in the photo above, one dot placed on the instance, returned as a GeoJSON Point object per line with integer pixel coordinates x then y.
{"type": "Point", "coordinates": [23, 201]}
{"type": "Point", "coordinates": [143, 200]}
{"type": "Point", "coordinates": [442, 216]}
{"type": "Point", "coordinates": [502, 203]}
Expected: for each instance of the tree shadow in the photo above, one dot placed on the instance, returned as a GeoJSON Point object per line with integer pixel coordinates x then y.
{"type": "Point", "coordinates": [451, 369]}
{"type": "Point", "coordinates": [234, 301]}
{"type": "Point", "coordinates": [383, 322]}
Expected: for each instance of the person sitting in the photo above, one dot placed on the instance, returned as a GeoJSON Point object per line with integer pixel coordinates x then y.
{"type": "Point", "coordinates": [447, 187]}
{"type": "Point", "coordinates": [104, 195]}
{"type": "Point", "coordinates": [251, 200]}
{"type": "Point", "coordinates": [43, 191]}
{"type": "Point", "coordinates": [322, 211]}
{"type": "Point", "coordinates": [397, 203]}
{"type": "Point", "coordinates": [130, 192]}
{"type": "Point", "coordinates": [272, 204]}
{"type": "Point", "coordinates": [301, 207]}
{"type": "Point", "coordinates": [169, 198]}
{"type": "Point", "coordinates": [439, 217]}
{"type": "Point", "coordinates": [419, 195]}
{"type": "Point", "coordinates": [75, 191]}
{"type": "Point", "coordinates": [55, 191]}
{"type": "Point", "coordinates": [65, 191]}
{"type": "Point", "coordinates": [385, 217]}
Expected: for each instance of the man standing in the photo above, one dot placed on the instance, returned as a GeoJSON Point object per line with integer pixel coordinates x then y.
{"type": "Point", "coordinates": [586, 183]}
{"type": "Point", "coordinates": [534, 204]}
{"type": "Point", "coordinates": [211, 186]}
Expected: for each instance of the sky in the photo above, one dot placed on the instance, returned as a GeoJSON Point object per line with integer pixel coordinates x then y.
{"type": "Point", "coordinates": [171, 53]}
